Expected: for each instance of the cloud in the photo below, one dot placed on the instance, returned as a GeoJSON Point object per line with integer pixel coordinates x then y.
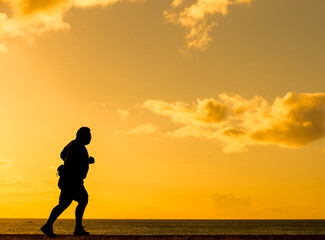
{"type": "Point", "coordinates": [143, 129]}
{"type": "Point", "coordinates": [229, 200]}
{"type": "Point", "coordinates": [124, 114]}
{"type": "Point", "coordinates": [294, 120]}
{"type": "Point", "coordinates": [5, 163]}
{"type": "Point", "coordinates": [229, 206]}
{"type": "Point", "coordinates": [199, 18]}
{"type": "Point", "coordinates": [20, 182]}
{"type": "Point", "coordinates": [27, 19]}
{"type": "Point", "coordinates": [206, 111]}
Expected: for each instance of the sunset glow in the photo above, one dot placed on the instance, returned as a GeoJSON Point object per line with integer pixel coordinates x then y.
{"type": "Point", "coordinates": [199, 109]}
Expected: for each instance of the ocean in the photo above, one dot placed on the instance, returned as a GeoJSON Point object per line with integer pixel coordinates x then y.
{"type": "Point", "coordinates": [169, 227]}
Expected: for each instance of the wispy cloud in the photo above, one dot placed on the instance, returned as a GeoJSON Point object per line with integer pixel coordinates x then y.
{"type": "Point", "coordinates": [143, 129]}
{"type": "Point", "coordinates": [199, 18]}
{"type": "Point", "coordinates": [5, 163]}
{"type": "Point", "coordinates": [228, 205]}
{"type": "Point", "coordinates": [20, 182]}
{"type": "Point", "coordinates": [294, 120]}
{"type": "Point", "coordinates": [123, 113]}
{"type": "Point", "coordinates": [27, 19]}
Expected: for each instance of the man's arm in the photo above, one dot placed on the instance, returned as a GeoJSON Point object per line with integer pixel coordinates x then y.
{"type": "Point", "coordinates": [64, 153]}
{"type": "Point", "coordinates": [91, 160]}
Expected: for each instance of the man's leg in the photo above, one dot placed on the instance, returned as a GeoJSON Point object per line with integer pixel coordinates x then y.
{"type": "Point", "coordinates": [57, 210]}
{"type": "Point", "coordinates": [65, 201]}
{"type": "Point", "coordinates": [80, 212]}
{"type": "Point", "coordinates": [82, 199]}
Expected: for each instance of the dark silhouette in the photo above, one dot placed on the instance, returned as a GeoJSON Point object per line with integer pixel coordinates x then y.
{"type": "Point", "coordinates": [72, 173]}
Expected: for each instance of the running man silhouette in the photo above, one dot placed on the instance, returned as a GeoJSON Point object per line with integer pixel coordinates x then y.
{"type": "Point", "coordinates": [72, 173]}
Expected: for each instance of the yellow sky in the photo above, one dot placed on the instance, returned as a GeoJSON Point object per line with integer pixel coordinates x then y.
{"type": "Point", "coordinates": [198, 109]}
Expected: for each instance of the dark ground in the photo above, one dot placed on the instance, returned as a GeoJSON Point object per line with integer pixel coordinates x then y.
{"type": "Point", "coordinates": [166, 237]}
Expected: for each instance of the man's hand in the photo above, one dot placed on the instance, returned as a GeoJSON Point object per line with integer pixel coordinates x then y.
{"type": "Point", "coordinates": [91, 160]}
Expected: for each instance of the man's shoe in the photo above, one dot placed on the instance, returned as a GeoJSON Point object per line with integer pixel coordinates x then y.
{"type": "Point", "coordinates": [48, 231]}
{"type": "Point", "coordinates": [80, 232]}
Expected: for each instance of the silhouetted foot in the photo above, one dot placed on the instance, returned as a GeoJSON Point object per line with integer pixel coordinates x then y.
{"type": "Point", "coordinates": [48, 231]}
{"type": "Point", "coordinates": [79, 231]}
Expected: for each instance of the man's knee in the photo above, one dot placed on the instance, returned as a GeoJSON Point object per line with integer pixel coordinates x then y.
{"type": "Point", "coordinates": [83, 201]}
{"type": "Point", "coordinates": [64, 203]}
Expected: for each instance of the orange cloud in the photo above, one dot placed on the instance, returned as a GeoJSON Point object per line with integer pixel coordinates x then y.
{"type": "Point", "coordinates": [205, 111]}
{"type": "Point", "coordinates": [143, 129]}
{"type": "Point", "coordinates": [295, 120]}
{"type": "Point", "coordinates": [199, 19]}
{"type": "Point", "coordinates": [226, 205]}
{"type": "Point", "coordinates": [123, 113]}
{"type": "Point", "coordinates": [5, 163]}
{"type": "Point", "coordinates": [27, 19]}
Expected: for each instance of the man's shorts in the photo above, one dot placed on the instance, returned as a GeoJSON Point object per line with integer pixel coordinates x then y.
{"type": "Point", "coordinates": [75, 192]}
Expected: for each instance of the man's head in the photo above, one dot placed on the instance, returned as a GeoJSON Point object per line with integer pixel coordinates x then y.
{"type": "Point", "coordinates": [84, 135]}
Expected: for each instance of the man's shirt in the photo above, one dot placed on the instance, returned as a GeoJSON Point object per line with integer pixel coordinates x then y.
{"type": "Point", "coordinates": [76, 160]}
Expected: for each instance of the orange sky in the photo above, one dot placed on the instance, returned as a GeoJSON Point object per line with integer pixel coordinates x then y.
{"type": "Point", "coordinates": [198, 109]}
